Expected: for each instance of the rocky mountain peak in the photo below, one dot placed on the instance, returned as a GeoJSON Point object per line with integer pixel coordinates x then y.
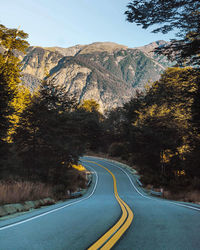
{"type": "Point", "coordinates": [151, 46]}
{"type": "Point", "coordinates": [71, 51]}
{"type": "Point", "coordinates": [99, 47]}
{"type": "Point", "coordinates": [107, 72]}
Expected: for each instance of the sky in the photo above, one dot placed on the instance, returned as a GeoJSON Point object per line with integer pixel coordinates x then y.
{"type": "Point", "coordinates": [65, 23]}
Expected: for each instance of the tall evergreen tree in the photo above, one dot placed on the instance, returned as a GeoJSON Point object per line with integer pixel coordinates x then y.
{"type": "Point", "coordinates": [12, 41]}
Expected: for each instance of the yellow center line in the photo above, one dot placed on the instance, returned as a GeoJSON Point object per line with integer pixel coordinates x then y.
{"type": "Point", "coordinates": [121, 231]}
{"type": "Point", "coordinates": [114, 233]}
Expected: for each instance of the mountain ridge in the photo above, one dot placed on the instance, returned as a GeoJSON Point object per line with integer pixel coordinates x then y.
{"type": "Point", "coordinates": [108, 72]}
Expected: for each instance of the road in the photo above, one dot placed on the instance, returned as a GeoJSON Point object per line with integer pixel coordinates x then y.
{"type": "Point", "coordinates": [113, 198]}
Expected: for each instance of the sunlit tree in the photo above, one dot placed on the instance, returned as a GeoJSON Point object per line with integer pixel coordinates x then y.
{"type": "Point", "coordinates": [12, 41]}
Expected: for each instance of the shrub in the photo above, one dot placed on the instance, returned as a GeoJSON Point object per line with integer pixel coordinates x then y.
{"type": "Point", "coordinates": [117, 149]}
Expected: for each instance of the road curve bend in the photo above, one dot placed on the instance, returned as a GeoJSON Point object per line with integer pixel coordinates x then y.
{"type": "Point", "coordinates": [105, 215]}
{"type": "Point", "coordinates": [109, 239]}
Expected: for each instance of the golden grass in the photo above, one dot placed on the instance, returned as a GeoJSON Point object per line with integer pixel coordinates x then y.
{"type": "Point", "coordinates": [19, 191]}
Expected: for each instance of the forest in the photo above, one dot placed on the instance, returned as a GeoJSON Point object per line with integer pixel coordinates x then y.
{"type": "Point", "coordinates": [43, 133]}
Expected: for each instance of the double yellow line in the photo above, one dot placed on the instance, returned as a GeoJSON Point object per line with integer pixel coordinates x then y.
{"type": "Point", "coordinates": [109, 239]}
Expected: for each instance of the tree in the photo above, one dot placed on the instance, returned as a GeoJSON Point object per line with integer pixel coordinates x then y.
{"type": "Point", "coordinates": [181, 15]}
{"type": "Point", "coordinates": [157, 137]}
{"type": "Point", "coordinates": [20, 101]}
{"type": "Point", "coordinates": [12, 41]}
{"type": "Point", "coordinates": [90, 123]}
{"type": "Point", "coordinates": [156, 128]}
{"type": "Point", "coordinates": [193, 157]}
{"type": "Point", "coordinates": [90, 105]}
{"type": "Point", "coordinates": [44, 139]}
{"type": "Point", "coordinates": [165, 118]}
{"type": "Point", "coordinates": [113, 126]}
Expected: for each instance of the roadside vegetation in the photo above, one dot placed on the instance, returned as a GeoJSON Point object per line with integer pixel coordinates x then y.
{"type": "Point", "coordinates": [42, 134]}
{"type": "Point", "coordinates": [20, 191]}
{"type": "Point", "coordinates": [158, 131]}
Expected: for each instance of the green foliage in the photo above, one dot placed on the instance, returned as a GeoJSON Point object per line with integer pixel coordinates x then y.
{"type": "Point", "coordinates": [20, 101]}
{"type": "Point", "coordinates": [43, 138]}
{"type": "Point", "coordinates": [160, 129]}
{"type": "Point", "coordinates": [90, 105]}
{"type": "Point", "coordinates": [48, 129]}
{"type": "Point", "coordinates": [6, 95]}
{"type": "Point", "coordinates": [89, 121]}
{"type": "Point", "coordinates": [53, 131]}
{"type": "Point", "coordinates": [164, 122]}
{"type": "Point", "coordinates": [12, 42]}
{"type": "Point", "coordinates": [113, 126]}
{"type": "Point", "coordinates": [117, 149]}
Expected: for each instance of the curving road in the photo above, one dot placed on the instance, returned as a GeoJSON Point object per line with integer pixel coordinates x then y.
{"type": "Point", "coordinates": [113, 198]}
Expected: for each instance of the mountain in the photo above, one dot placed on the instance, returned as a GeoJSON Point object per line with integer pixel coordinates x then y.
{"type": "Point", "coordinates": [107, 72]}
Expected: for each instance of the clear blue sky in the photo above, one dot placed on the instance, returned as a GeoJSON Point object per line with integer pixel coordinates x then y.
{"type": "Point", "coordinates": [66, 23]}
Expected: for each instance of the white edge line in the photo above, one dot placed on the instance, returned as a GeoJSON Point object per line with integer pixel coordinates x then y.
{"type": "Point", "coordinates": [177, 204]}
{"type": "Point", "coordinates": [132, 182]}
{"type": "Point", "coordinates": [54, 210]}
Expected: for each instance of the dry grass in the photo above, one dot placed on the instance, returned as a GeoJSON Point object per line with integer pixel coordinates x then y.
{"type": "Point", "coordinates": [187, 196]}
{"type": "Point", "coordinates": [19, 191]}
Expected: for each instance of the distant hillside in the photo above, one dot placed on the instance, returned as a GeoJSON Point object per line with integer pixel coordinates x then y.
{"type": "Point", "coordinates": [108, 72]}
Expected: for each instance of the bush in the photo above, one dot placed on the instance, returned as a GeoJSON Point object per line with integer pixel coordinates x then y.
{"type": "Point", "coordinates": [117, 149]}
{"type": "Point", "coordinates": [60, 192]}
{"type": "Point", "coordinates": [196, 183]}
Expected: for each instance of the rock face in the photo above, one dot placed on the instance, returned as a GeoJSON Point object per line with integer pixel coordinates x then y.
{"type": "Point", "coordinates": [107, 72]}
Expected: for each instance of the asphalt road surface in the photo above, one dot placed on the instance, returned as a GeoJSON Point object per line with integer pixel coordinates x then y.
{"type": "Point", "coordinates": [114, 213]}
